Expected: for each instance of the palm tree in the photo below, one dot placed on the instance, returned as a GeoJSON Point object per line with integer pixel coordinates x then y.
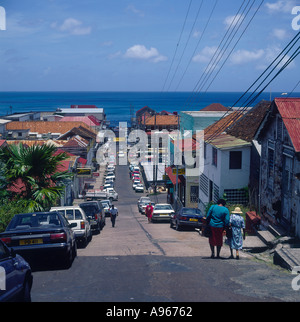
{"type": "Point", "coordinates": [35, 171]}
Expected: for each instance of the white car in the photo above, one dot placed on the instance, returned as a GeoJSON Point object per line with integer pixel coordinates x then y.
{"type": "Point", "coordinates": [110, 176]}
{"type": "Point", "coordinates": [135, 183]}
{"type": "Point", "coordinates": [75, 214]}
{"type": "Point", "coordinates": [162, 211]}
{"type": "Point", "coordinates": [139, 188]}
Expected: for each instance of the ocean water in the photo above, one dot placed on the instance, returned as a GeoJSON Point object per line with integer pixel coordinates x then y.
{"type": "Point", "coordinates": [118, 105]}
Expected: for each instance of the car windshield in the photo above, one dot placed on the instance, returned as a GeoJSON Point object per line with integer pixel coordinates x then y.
{"type": "Point", "coordinates": [105, 204]}
{"type": "Point", "coordinates": [191, 211]}
{"type": "Point", "coordinates": [28, 221]}
{"type": "Point", "coordinates": [163, 207]}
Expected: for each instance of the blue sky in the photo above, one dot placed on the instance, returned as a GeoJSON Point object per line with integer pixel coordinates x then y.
{"type": "Point", "coordinates": [120, 45]}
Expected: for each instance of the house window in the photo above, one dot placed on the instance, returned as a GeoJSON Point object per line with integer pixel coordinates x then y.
{"type": "Point", "coordinates": [214, 157]}
{"type": "Point", "coordinates": [194, 194]}
{"type": "Point", "coordinates": [279, 128]}
{"type": "Point", "coordinates": [270, 168]}
{"type": "Point", "coordinates": [204, 184]}
{"type": "Point", "coordinates": [235, 160]}
{"type": "Point", "coordinates": [270, 162]}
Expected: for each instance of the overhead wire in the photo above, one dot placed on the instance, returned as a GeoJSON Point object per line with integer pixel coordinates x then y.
{"type": "Point", "coordinates": [177, 45]}
{"type": "Point", "coordinates": [212, 63]}
{"type": "Point", "coordinates": [198, 43]}
{"type": "Point", "coordinates": [250, 100]}
{"type": "Point", "coordinates": [188, 39]}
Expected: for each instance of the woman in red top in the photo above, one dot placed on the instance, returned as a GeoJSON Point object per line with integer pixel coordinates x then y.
{"type": "Point", "coordinates": [149, 212]}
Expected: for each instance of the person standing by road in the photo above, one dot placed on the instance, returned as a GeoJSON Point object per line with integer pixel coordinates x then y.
{"type": "Point", "coordinates": [237, 224]}
{"type": "Point", "coordinates": [149, 212]}
{"type": "Point", "coordinates": [113, 215]}
{"type": "Point", "coordinates": [218, 219]}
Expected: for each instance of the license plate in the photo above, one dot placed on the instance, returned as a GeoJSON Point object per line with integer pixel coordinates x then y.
{"type": "Point", "coordinates": [31, 241]}
{"type": "Point", "coordinates": [193, 219]}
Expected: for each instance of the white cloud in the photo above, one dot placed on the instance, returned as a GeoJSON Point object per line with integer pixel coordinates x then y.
{"type": "Point", "coordinates": [245, 56]}
{"type": "Point", "coordinates": [72, 26]}
{"type": "Point", "coordinates": [281, 6]}
{"type": "Point", "coordinates": [205, 55]}
{"type": "Point", "coordinates": [270, 54]}
{"type": "Point", "coordinates": [232, 21]}
{"type": "Point", "coordinates": [279, 34]}
{"type": "Point", "coordinates": [141, 52]}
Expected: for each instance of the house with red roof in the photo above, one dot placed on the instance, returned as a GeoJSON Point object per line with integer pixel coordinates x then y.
{"type": "Point", "coordinates": [279, 136]}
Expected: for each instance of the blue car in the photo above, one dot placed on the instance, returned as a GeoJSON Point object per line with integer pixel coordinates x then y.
{"type": "Point", "coordinates": [15, 276]}
{"type": "Point", "coordinates": [187, 217]}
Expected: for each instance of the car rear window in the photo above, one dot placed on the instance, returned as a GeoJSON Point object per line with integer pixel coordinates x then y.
{"type": "Point", "coordinates": [28, 221]}
{"type": "Point", "coordinates": [191, 211]}
{"type": "Point", "coordinates": [163, 207]}
{"type": "Point", "coordinates": [90, 210]}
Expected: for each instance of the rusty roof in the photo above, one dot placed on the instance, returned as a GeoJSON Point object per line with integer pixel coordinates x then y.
{"type": "Point", "coordinates": [162, 120]}
{"type": "Point", "coordinates": [215, 107]}
{"type": "Point", "coordinates": [43, 127]}
{"type": "Point", "coordinates": [289, 109]}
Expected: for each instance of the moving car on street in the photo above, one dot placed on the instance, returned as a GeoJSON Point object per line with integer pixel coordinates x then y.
{"type": "Point", "coordinates": [187, 217]}
{"type": "Point", "coordinates": [41, 234]}
{"type": "Point", "coordinates": [162, 212]}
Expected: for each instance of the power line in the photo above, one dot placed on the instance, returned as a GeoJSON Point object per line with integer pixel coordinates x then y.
{"type": "Point", "coordinates": [212, 64]}
{"type": "Point", "coordinates": [189, 37]}
{"type": "Point", "coordinates": [202, 34]}
{"type": "Point", "coordinates": [250, 100]}
{"type": "Point", "coordinates": [177, 45]}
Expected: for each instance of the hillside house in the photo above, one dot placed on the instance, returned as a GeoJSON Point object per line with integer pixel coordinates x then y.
{"type": "Point", "coordinates": [279, 136]}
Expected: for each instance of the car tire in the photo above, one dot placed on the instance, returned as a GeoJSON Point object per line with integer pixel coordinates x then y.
{"type": "Point", "coordinates": [178, 227]}
{"type": "Point", "coordinates": [26, 296]}
{"type": "Point", "coordinates": [171, 224]}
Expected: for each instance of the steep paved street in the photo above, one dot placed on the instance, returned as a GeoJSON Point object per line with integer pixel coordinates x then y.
{"type": "Point", "coordinates": [137, 261]}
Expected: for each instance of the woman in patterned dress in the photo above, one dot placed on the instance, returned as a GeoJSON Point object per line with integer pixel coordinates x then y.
{"type": "Point", "coordinates": [237, 224]}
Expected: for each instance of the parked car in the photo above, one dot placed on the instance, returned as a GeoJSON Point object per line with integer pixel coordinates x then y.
{"type": "Point", "coordinates": [144, 205]}
{"type": "Point", "coordinates": [142, 199]}
{"type": "Point", "coordinates": [15, 276]}
{"type": "Point", "coordinates": [187, 217]}
{"type": "Point", "coordinates": [41, 234]}
{"type": "Point", "coordinates": [95, 214]}
{"type": "Point", "coordinates": [135, 183]}
{"type": "Point", "coordinates": [110, 176]}
{"type": "Point", "coordinates": [139, 188]}
{"type": "Point", "coordinates": [76, 215]}
{"type": "Point", "coordinates": [162, 212]}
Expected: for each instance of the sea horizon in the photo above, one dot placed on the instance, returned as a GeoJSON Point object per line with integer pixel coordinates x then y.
{"type": "Point", "coordinates": [121, 105]}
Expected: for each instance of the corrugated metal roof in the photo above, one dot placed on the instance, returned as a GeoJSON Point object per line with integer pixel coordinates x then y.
{"type": "Point", "coordinates": [226, 141]}
{"type": "Point", "coordinates": [289, 109]}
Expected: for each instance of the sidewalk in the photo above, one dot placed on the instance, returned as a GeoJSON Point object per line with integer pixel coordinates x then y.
{"type": "Point", "coordinates": [284, 250]}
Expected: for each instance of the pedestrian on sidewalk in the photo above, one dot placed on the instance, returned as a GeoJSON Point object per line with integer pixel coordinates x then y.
{"type": "Point", "coordinates": [149, 212]}
{"type": "Point", "coordinates": [237, 224]}
{"type": "Point", "coordinates": [113, 215]}
{"type": "Point", "coordinates": [218, 219]}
